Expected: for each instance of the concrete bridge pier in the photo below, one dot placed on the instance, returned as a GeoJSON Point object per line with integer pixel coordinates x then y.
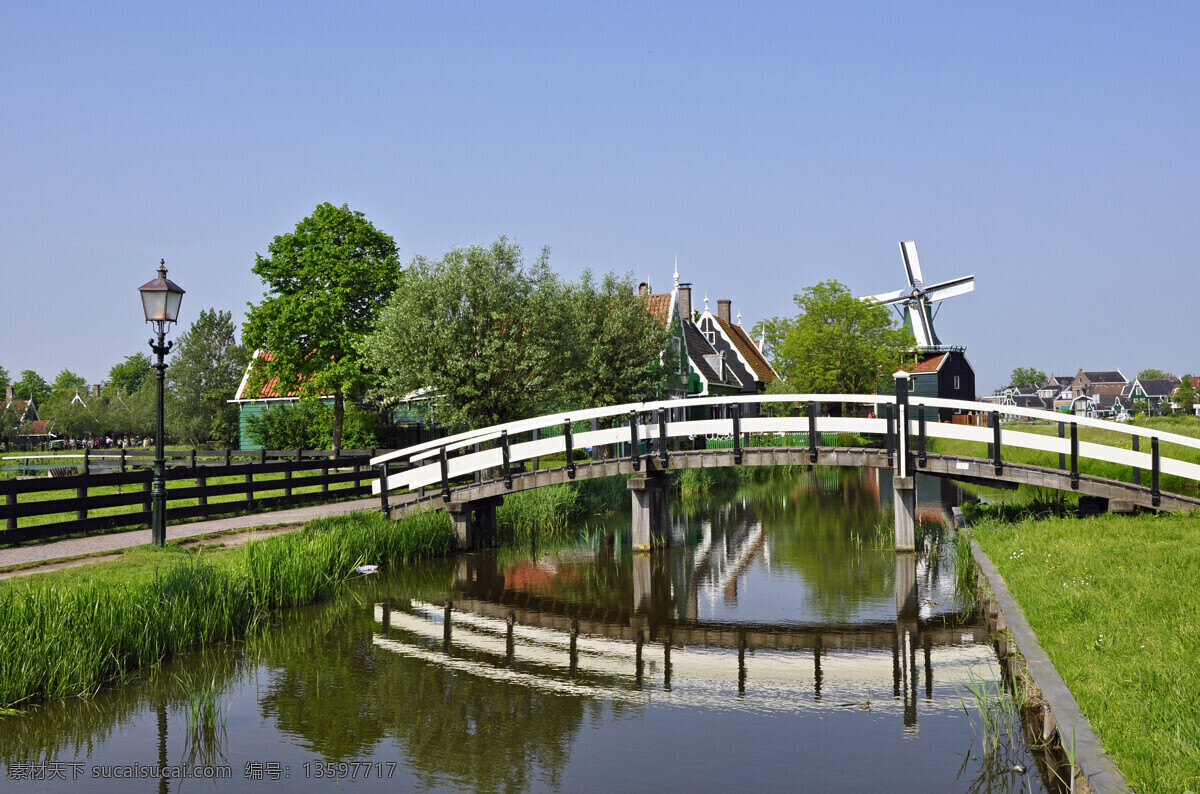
{"type": "Point", "coordinates": [475, 521]}
{"type": "Point", "coordinates": [651, 510]}
{"type": "Point", "coordinates": [905, 501]}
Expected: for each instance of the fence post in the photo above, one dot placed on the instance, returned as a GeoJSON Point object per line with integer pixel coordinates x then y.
{"type": "Point", "coordinates": [445, 474]}
{"type": "Point", "coordinates": [478, 472]}
{"type": "Point", "coordinates": [535, 460]}
{"type": "Point", "coordinates": [147, 509]}
{"type": "Point", "coordinates": [1074, 455]}
{"type": "Point", "coordinates": [1062, 456]}
{"type": "Point", "coordinates": [996, 442]}
{"type": "Point", "coordinates": [922, 458]}
{"type": "Point", "coordinates": [249, 482]}
{"type": "Point", "coordinates": [383, 489]}
{"type": "Point", "coordinates": [633, 442]}
{"type": "Point", "coordinates": [505, 455]}
{"type": "Point", "coordinates": [287, 478]}
{"type": "Point", "coordinates": [325, 474]}
{"type": "Point", "coordinates": [81, 494]}
{"type": "Point", "coordinates": [736, 410]}
{"type": "Point", "coordinates": [1137, 471]}
{"type": "Point", "coordinates": [87, 460]}
{"type": "Point", "coordinates": [10, 501]}
{"type": "Point", "coordinates": [990, 422]}
{"type": "Point", "coordinates": [570, 447]}
{"type": "Point", "coordinates": [814, 410]}
{"type": "Point", "coordinates": [663, 455]}
{"type": "Point", "coordinates": [193, 457]}
{"type": "Point", "coordinates": [888, 410]}
{"type": "Point", "coordinates": [227, 456]}
{"type": "Point", "coordinates": [123, 460]}
{"type": "Point", "coordinates": [1155, 496]}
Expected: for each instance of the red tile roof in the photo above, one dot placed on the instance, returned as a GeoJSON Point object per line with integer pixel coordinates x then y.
{"type": "Point", "coordinates": [930, 364]}
{"type": "Point", "coordinates": [660, 306]}
{"type": "Point", "coordinates": [269, 389]}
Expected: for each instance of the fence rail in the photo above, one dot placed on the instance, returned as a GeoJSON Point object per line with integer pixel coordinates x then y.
{"type": "Point", "coordinates": [200, 484]}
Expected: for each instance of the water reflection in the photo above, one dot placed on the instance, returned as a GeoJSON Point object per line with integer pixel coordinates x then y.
{"type": "Point", "coordinates": [765, 647]}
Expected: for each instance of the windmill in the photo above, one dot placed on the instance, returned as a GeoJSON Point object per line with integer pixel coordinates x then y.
{"type": "Point", "coordinates": [918, 299]}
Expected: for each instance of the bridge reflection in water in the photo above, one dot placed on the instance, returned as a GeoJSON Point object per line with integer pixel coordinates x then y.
{"type": "Point", "coordinates": [665, 629]}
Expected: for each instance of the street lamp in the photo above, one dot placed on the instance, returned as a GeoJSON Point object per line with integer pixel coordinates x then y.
{"type": "Point", "coordinates": [160, 303]}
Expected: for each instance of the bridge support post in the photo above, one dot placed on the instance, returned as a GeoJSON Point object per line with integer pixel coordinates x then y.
{"type": "Point", "coordinates": [905, 501]}
{"type": "Point", "coordinates": [651, 510]}
{"type": "Point", "coordinates": [475, 521]}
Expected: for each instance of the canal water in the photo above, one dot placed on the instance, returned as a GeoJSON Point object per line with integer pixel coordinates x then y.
{"type": "Point", "coordinates": [774, 646]}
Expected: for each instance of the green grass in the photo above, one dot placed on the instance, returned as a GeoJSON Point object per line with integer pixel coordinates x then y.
{"type": "Point", "coordinates": [69, 632]}
{"type": "Point", "coordinates": [1113, 602]}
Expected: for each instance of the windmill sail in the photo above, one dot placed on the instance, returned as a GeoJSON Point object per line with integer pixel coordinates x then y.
{"type": "Point", "coordinates": [917, 299]}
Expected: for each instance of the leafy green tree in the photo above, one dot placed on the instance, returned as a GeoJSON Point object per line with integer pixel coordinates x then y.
{"type": "Point", "coordinates": [1027, 376]}
{"type": "Point", "coordinates": [66, 385]}
{"type": "Point", "coordinates": [839, 344]}
{"type": "Point", "coordinates": [1154, 374]}
{"type": "Point", "coordinates": [617, 349]}
{"type": "Point", "coordinates": [128, 376]}
{"type": "Point", "coordinates": [204, 374]}
{"type": "Point", "coordinates": [10, 424]}
{"type": "Point", "coordinates": [31, 386]}
{"type": "Point", "coordinates": [1185, 396]}
{"type": "Point", "coordinates": [326, 282]}
{"type": "Point", "coordinates": [773, 331]}
{"type": "Point", "coordinates": [480, 329]}
{"type": "Point", "coordinates": [4, 381]}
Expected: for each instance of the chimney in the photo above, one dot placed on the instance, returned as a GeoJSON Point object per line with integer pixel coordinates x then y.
{"type": "Point", "coordinates": [643, 289]}
{"type": "Point", "coordinates": [95, 389]}
{"type": "Point", "coordinates": [723, 309]}
{"type": "Point", "coordinates": [685, 301]}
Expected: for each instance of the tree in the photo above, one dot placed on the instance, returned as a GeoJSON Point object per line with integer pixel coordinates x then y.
{"type": "Point", "coordinates": [31, 386]}
{"type": "Point", "coordinates": [1154, 374]}
{"type": "Point", "coordinates": [617, 349]}
{"type": "Point", "coordinates": [128, 376]}
{"type": "Point", "coordinates": [10, 424]}
{"type": "Point", "coordinates": [839, 344]}
{"type": "Point", "coordinates": [4, 381]}
{"type": "Point", "coordinates": [66, 385]}
{"type": "Point", "coordinates": [204, 374]}
{"type": "Point", "coordinates": [1027, 376]}
{"type": "Point", "coordinates": [326, 282]}
{"type": "Point", "coordinates": [478, 328]}
{"type": "Point", "coordinates": [1185, 396]}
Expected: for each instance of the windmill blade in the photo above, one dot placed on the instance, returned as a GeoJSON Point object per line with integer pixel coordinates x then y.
{"type": "Point", "coordinates": [887, 297]}
{"type": "Point", "coordinates": [918, 311]}
{"type": "Point", "coordinates": [912, 265]}
{"type": "Point", "coordinates": [948, 289]}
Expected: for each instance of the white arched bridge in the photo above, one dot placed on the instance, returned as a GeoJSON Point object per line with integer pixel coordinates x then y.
{"type": "Point", "coordinates": [472, 471]}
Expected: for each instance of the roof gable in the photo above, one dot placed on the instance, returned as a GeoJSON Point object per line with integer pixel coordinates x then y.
{"type": "Point", "coordinates": [747, 350]}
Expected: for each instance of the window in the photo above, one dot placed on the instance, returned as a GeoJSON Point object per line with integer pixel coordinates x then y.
{"type": "Point", "coordinates": [956, 386]}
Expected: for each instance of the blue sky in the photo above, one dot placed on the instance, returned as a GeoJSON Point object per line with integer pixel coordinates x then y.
{"type": "Point", "coordinates": [1049, 149]}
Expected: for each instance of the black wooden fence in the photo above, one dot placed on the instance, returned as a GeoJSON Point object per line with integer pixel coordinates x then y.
{"type": "Point", "coordinates": [303, 477]}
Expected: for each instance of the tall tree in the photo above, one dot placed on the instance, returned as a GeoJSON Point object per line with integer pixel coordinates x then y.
{"type": "Point", "coordinates": [617, 349]}
{"type": "Point", "coordinates": [66, 385]}
{"type": "Point", "coordinates": [326, 282]}
{"type": "Point", "coordinates": [4, 381]}
{"type": "Point", "coordinates": [204, 375]}
{"type": "Point", "coordinates": [1185, 396]}
{"type": "Point", "coordinates": [1027, 376]}
{"type": "Point", "coordinates": [477, 327]}
{"type": "Point", "coordinates": [839, 344]}
{"type": "Point", "coordinates": [1154, 374]}
{"type": "Point", "coordinates": [128, 376]}
{"type": "Point", "coordinates": [31, 386]}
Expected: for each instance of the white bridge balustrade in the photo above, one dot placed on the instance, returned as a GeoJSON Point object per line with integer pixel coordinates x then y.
{"type": "Point", "coordinates": [644, 440]}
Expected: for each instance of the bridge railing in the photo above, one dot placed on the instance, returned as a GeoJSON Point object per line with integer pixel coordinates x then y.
{"type": "Point", "coordinates": [658, 422]}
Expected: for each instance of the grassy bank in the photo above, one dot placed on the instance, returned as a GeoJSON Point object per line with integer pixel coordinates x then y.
{"type": "Point", "coordinates": [69, 632]}
{"type": "Point", "coordinates": [1113, 602]}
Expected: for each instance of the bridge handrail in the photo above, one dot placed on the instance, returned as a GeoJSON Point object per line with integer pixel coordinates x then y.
{"type": "Point", "coordinates": [480, 435]}
{"type": "Point", "coordinates": [427, 449]}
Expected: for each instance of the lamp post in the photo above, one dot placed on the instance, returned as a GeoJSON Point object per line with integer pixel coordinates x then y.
{"type": "Point", "coordinates": [160, 302]}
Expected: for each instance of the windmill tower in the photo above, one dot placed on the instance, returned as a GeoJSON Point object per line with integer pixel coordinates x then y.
{"type": "Point", "coordinates": [918, 300]}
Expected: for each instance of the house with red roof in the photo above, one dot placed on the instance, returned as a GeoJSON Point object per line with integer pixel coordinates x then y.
{"type": "Point", "coordinates": [944, 373]}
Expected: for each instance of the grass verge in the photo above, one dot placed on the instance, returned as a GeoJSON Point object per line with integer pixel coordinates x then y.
{"type": "Point", "coordinates": [1113, 604]}
{"type": "Point", "coordinates": [69, 632]}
